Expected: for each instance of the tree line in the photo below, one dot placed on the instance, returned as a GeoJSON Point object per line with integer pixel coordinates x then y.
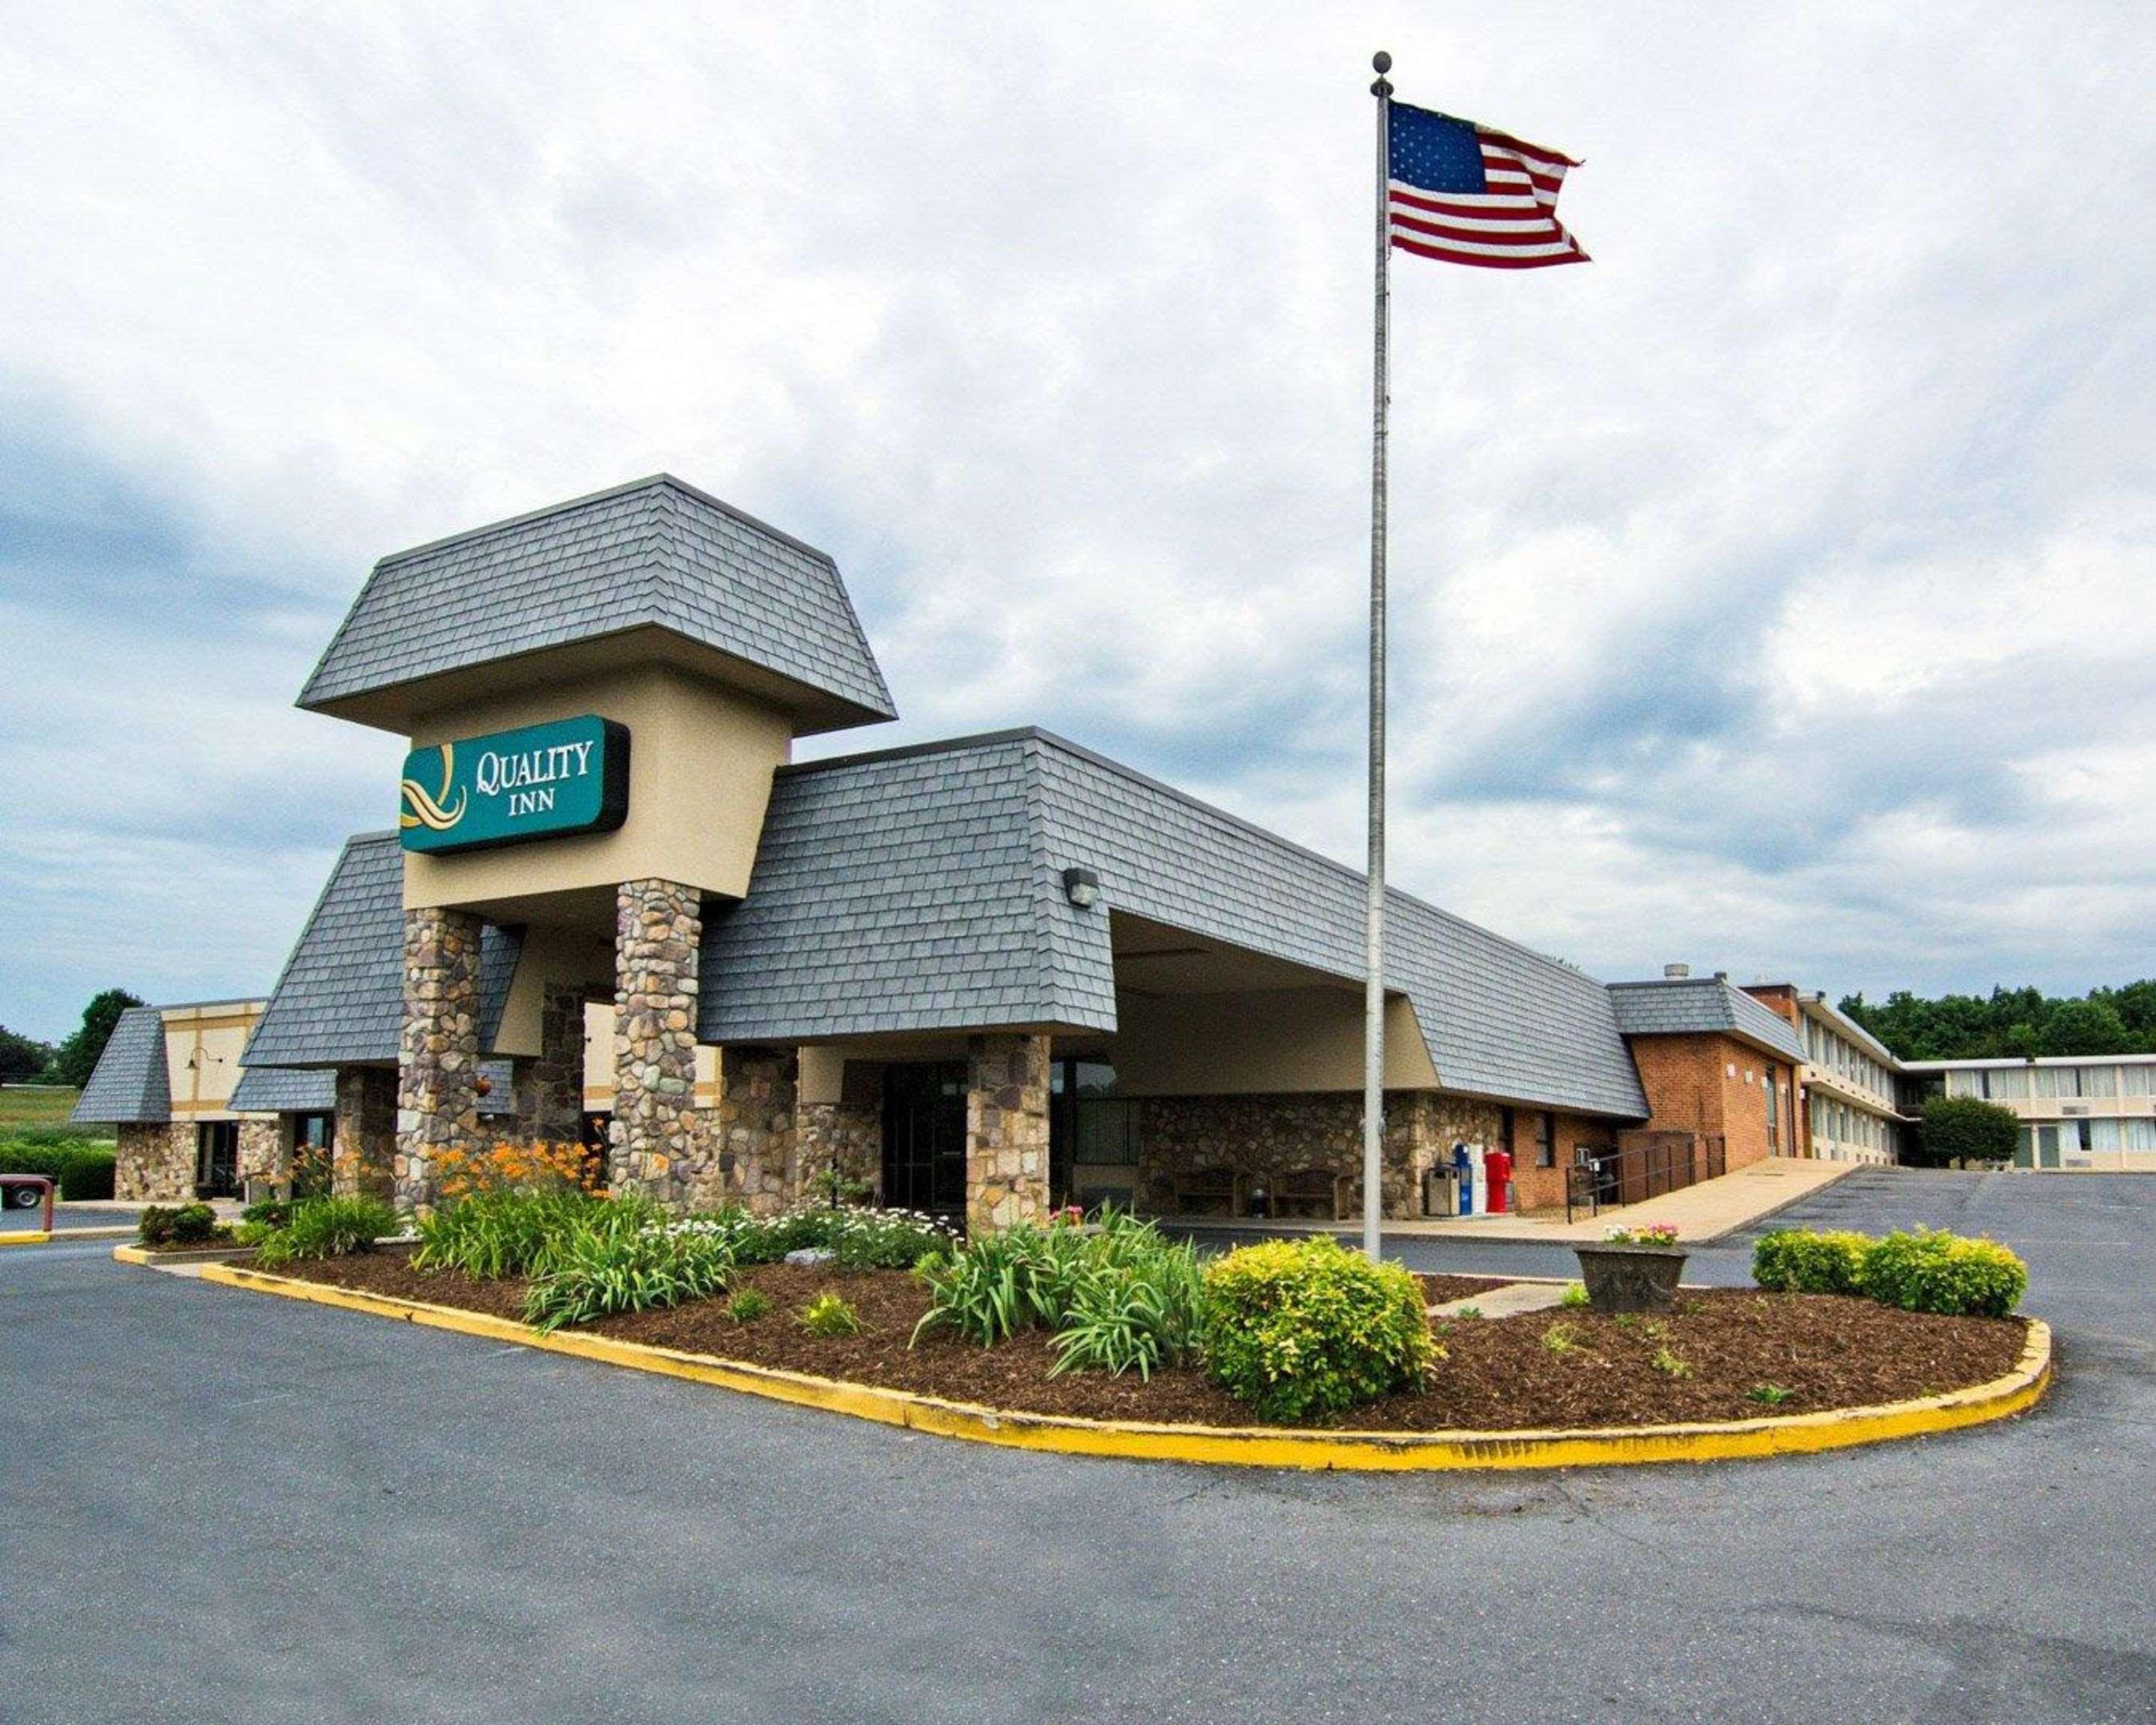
{"type": "Point", "coordinates": [2012, 1023]}
{"type": "Point", "coordinates": [24, 1060]}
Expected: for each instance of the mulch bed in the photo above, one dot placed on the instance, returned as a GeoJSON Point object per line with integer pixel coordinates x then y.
{"type": "Point", "coordinates": [1498, 1373]}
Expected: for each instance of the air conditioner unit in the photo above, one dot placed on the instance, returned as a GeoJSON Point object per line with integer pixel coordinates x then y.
{"type": "Point", "coordinates": [2074, 1108]}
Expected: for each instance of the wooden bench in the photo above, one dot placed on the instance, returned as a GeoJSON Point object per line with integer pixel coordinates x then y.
{"type": "Point", "coordinates": [1315, 1193]}
{"type": "Point", "coordinates": [1209, 1192]}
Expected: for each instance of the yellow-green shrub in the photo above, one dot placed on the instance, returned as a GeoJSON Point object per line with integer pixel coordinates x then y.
{"type": "Point", "coordinates": [1303, 1330]}
{"type": "Point", "coordinates": [1928, 1271]}
{"type": "Point", "coordinates": [1796, 1260]}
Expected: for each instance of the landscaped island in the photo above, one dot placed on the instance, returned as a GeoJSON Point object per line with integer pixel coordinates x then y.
{"type": "Point", "coordinates": [1107, 1320]}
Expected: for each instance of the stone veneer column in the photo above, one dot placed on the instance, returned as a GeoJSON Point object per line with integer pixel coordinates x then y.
{"type": "Point", "coordinates": [155, 1163]}
{"type": "Point", "coordinates": [553, 1100]}
{"type": "Point", "coordinates": [756, 1137]}
{"type": "Point", "coordinates": [263, 1155]}
{"type": "Point", "coordinates": [1006, 1132]}
{"type": "Point", "coordinates": [660, 1145]}
{"type": "Point", "coordinates": [363, 1151]}
{"type": "Point", "coordinates": [438, 1056]}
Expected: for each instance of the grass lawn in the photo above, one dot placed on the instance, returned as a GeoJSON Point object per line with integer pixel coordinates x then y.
{"type": "Point", "coordinates": [21, 1107]}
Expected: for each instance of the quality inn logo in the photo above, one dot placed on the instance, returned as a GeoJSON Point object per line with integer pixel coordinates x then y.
{"type": "Point", "coordinates": [548, 781]}
{"type": "Point", "coordinates": [422, 809]}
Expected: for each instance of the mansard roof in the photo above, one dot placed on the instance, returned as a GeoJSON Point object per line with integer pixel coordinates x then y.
{"type": "Point", "coordinates": [656, 561]}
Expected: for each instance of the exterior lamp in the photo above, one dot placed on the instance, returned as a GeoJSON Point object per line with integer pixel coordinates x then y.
{"type": "Point", "coordinates": [1082, 887]}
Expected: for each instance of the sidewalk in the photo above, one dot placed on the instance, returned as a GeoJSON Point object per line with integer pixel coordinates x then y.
{"type": "Point", "coordinates": [1700, 1214]}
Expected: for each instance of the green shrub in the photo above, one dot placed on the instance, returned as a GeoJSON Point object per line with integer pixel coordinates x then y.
{"type": "Point", "coordinates": [80, 1168]}
{"type": "Point", "coordinates": [1796, 1260]}
{"type": "Point", "coordinates": [1574, 1297]}
{"type": "Point", "coordinates": [749, 1305]}
{"type": "Point", "coordinates": [1965, 1129]}
{"type": "Point", "coordinates": [998, 1284]}
{"type": "Point", "coordinates": [827, 1314]}
{"type": "Point", "coordinates": [1928, 1271]}
{"type": "Point", "coordinates": [269, 1213]}
{"type": "Point", "coordinates": [327, 1228]}
{"type": "Point", "coordinates": [624, 1257]}
{"type": "Point", "coordinates": [1305, 1330]}
{"type": "Point", "coordinates": [498, 1233]}
{"type": "Point", "coordinates": [177, 1225]}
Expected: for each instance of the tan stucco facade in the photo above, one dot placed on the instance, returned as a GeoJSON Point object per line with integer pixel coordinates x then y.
{"type": "Point", "coordinates": [203, 1046]}
{"type": "Point", "coordinates": [702, 757]}
{"type": "Point", "coordinates": [1281, 1041]}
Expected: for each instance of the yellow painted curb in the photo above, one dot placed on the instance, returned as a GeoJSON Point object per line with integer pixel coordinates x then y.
{"type": "Point", "coordinates": [25, 1236]}
{"type": "Point", "coordinates": [1243, 1446]}
{"type": "Point", "coordinates": [131, 1255]}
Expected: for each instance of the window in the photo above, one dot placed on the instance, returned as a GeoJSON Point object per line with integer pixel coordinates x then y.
{"type": "Point", "coordinates": [1546, 1141]}
{"type": "Point", "coordinates": [2098, 1080]}
{"type": "Point", "coordinates": [1964, 1084]}
{"type": "Point", "coordinates": [2141, 1135]}
{"type": "Point", "coordinates": [2136, 1080]}
{"type": "Point", "coordinates": [1773, 1114]}
{"type": "Point", "coordinates": [2008, 1084]}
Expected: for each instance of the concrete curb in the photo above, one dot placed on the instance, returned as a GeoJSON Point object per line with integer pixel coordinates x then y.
{"type": "Point", "coordinates": [1239, 1446]}
{"type": "Point", "coordinates": [166, 1260]}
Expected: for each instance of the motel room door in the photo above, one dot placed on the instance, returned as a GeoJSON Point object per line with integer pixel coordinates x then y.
{"type": "Point", "coordinates": [924, 1137]}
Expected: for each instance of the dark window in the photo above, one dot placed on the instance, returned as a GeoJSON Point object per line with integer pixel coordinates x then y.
{"type": "Point", "coordinates": [1546, 1140]}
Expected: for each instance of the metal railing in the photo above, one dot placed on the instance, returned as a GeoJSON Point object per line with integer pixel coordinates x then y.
{"type": "Point", "coordinates": [1666, 1162]}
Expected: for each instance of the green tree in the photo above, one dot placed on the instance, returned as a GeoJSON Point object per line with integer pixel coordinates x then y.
{"type": "Point", "coordinates": [76, 1057]}
{"type": "Point", "coordinates": [21, 1059]}
{"type": "Point", "coordinates": [2084, 1027]}
{"type": "Point", "coordinates": [1966, 1128]}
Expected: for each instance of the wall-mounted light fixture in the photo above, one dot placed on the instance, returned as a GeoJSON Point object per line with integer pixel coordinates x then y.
{"type": "Point", "coordinates": [1082, 887]}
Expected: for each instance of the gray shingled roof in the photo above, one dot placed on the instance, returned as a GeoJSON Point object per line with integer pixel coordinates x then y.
{"type": "Point", "coordinates": [921, 889]}
{"type": "Point", "coordinates": [129, 1084]}
{"type": "Point", "coordinates": [655, 554]}
{"type": "Point", "coordinates": [341, 1000]}
{"type": "Point", "coordinates": [284, 1090]}
{"type": "Point", "coordinates": [1693, 1005]}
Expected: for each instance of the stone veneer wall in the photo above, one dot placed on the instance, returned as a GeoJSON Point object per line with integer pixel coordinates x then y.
{"type": "Point", "coordinates": [1006, 1132]}
{"type": "Point", "coordinates": [660, 1144]}
{"type": "Point", "coordinates": [844, 1135]}
{"type": "Point", "coordinates": [1264, 1137]}
{"type": "Point", "coordinates": [363, 1152]}
{"type": "Point", "coordinates": [438, 1052]}
{"type": "Point", "coordinates": [262, 1153]}
{"type": "Point", "coordinates": [155, 1163]}
{"type": "Point", "coordinates": [756, 1162]}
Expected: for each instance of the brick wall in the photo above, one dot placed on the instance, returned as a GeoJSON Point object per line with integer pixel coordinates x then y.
{"type": "Point", "coordinates": [1542, 1188]}
{"type": "Point", "coordinates": [1716, 1086]}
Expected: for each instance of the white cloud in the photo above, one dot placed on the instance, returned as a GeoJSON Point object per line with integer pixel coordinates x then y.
{"type": "Point", "coordinates": [1759, 587]}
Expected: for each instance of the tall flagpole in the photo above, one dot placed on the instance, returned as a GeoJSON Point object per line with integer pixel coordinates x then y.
{"type": "Point", "coordinates": [1374, 940]}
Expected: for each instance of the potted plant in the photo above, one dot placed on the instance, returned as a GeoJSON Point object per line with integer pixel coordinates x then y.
{"type": "Point", "coordinates": [1633, 1269]}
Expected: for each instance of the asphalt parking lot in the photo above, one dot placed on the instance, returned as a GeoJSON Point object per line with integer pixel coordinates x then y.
{"type": "Point", "coordinates": [218, 1506]}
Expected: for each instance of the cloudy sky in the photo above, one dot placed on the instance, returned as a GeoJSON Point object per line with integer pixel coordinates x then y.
{"type": "Point", "coordinates": [1773, 593]}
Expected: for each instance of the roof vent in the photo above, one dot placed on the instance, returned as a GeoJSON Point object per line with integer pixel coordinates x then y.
{"type": "Point", "coordinates": [1722, 976]}
{"type": "Point", "coordinates": [1676, 973]}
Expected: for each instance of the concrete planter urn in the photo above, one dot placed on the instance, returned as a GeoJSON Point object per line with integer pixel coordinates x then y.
{"type": "Point", "coordinates": [1633, 1271]}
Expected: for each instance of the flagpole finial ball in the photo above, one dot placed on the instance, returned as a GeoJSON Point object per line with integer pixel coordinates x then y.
{"type": "Point", "coordinates": [1380, 63]}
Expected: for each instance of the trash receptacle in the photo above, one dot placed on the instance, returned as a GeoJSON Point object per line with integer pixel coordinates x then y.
{"type": "Point", "coordinates": [1440, 1190]}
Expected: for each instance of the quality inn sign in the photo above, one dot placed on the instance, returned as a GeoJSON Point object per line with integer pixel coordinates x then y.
{"type": "Point", "coordinates": [541, 782]}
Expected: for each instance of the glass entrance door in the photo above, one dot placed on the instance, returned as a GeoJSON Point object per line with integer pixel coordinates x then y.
{"type": "Point", "coordinates": [924, 1137]}
{"type": "Point", "coordinates": [216, 1159]}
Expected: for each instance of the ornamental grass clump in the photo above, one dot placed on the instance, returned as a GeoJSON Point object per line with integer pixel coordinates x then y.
{"type": "Point", "coordinates": [327, 1228]}
{"type": "Point", "coordinates": [1116, 1296]}
{"type": "Point", "coordinates": [622, 1257]}
{"type": "Point", "coordinates": [1796, 1260]}
{"type": "Point", "coordinates": [1303, 1331]}
{"type": "Point", "coordinates": [496, 1232]}
{"type": "Point", "coordinates": [1949, 1273]}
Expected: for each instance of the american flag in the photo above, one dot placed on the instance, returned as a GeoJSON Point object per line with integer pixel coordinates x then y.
{"type": "Point", "coordinates": [1470, 195]}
